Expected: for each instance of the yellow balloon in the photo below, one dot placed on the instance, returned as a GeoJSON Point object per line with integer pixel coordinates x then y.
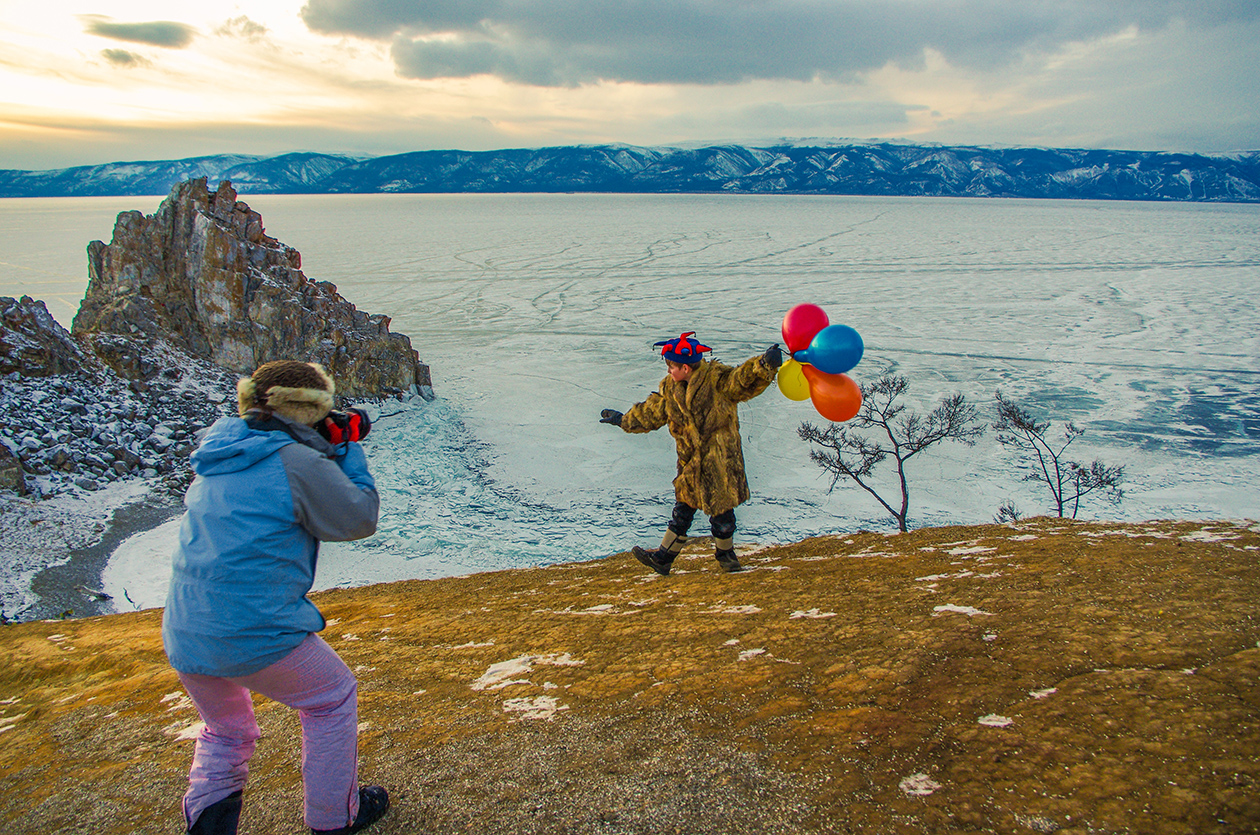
{"type": "Point", "coordinates": [792, 381]}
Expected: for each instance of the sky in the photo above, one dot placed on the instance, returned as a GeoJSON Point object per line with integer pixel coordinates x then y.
{"type": "Point", "coordinates": [84, 82]}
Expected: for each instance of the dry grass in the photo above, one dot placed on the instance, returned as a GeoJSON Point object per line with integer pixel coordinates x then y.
{"type": "Point", "coordinates": [1052, 676]}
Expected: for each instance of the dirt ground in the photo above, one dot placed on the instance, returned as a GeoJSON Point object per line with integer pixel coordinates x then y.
{"type": "Point", "coordinates": [1048, 676]}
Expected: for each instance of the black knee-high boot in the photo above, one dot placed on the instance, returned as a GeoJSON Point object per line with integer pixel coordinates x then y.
{"type": "Point", "coordinates": [220, 817]}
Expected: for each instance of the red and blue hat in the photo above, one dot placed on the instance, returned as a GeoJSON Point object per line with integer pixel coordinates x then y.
{"type": "Point", "coordinates": [684, 349]}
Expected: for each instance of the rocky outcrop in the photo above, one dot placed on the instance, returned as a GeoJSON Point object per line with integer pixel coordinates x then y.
{"type": "Point", "coordinates": [32, 343]}
{"type": "Point", "coordinates": [202, 273]}
{"type": "Point", "coordinates": [178, 305]}
{"type": "Point", "coordinates": [85, 426]}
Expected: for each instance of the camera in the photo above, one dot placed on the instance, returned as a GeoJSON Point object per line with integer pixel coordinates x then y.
{"type": "Point", "coordinates": [340, 427]}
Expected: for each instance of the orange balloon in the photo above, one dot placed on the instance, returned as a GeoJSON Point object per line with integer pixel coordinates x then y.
{"type": "Point", "coordinates": [836, 396]}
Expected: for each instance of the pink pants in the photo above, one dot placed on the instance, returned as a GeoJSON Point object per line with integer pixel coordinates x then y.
{"type": "Point", "coordinates": [314, 681]}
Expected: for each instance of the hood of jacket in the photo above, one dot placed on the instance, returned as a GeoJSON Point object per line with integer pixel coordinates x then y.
{"type": "Point", "coordinates": [231, 445]}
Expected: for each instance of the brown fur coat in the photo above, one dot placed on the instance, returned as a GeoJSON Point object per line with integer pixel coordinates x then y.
{"type": "Point", "coordinates": [702, 418]}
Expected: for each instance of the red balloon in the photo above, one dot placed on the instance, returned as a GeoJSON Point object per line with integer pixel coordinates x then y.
{"type": "Point", "coordinates": [836, 396]}
{"type": "Point", "coordinates": [801, 324]}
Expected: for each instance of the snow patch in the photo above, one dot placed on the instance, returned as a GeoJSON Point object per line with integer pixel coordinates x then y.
{"type": "Point", "coordinates": [7, 723]}
{"type": "Point", "coordinates": [180, 699]}
{"type": "Point", "coordinates": [918, 785]}
{"type": "Point", "coordinates": [181, 732]}
{"type": "Point", "coordinates": [934, 577]}
{"type": "Point", "coordinates": [500, 675]}
{"type": "Point", "coordinates": [1206, 535]}
{"type": "Point", "coordinates": [539, 707]}
{"type": "Point", "coordinates": [993, 720]}
{"type": "Point", "coordinates": [969, 611]}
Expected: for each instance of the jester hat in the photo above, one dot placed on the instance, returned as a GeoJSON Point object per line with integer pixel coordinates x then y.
{"type": "Point", "coordinates": [683, 349]}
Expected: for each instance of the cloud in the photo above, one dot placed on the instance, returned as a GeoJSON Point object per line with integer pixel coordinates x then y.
{"type": "Point", "coordinates": [162, 33]}
{"type": "Point", "coordinates": [242, 27]}
{"type": "Point", "coordinates": [123, 58]}
{"type": "Point", "coordinates": [573, 42]}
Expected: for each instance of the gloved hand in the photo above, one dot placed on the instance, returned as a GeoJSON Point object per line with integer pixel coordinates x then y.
{"type": "Point", "coordinates": [773, 357]}
{"type": "Point", "coordinates": [610, 416]}
{"type": "Point", "coordinates": [340, 427]}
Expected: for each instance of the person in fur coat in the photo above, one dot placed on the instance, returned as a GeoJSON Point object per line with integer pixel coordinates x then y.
{"type": "Point", "coordinates": [697, 401]}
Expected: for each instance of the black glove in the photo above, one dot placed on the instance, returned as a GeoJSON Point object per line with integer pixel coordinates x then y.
{"type": "Point", "coordinates": [610, 416]}
{"type": "Point", "coordinates": [340, 427]}
{"type": "Point", "coordinates": [773, 357]}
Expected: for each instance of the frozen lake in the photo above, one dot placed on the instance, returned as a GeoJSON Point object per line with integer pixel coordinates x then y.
{"type": "Point", "coordinates": [1139, 322]}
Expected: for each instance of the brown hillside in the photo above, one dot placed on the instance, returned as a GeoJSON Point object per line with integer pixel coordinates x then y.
{"type": "Point", "coordinates": [1050, 676]}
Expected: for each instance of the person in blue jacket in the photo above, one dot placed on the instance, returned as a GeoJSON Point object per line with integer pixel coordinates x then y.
{"type": "Point", "coordinates": [268, 489]}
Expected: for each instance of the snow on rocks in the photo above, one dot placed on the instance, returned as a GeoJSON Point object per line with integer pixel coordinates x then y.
{"type": "Point", "coordinates": [80, 432]}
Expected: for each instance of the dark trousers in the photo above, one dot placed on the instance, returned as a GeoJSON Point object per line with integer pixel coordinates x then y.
{"type": "Point", "coordinates": [722, 525]}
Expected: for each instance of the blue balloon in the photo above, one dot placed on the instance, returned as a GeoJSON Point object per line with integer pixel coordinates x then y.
{"type": "Point", "coordinates": [834, 350]}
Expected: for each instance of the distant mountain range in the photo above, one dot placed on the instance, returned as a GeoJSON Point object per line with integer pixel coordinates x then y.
{"type": "Point", "coordinates": [860, 168]}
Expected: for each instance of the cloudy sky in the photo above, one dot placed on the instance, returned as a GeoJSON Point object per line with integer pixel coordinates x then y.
{"type": "Point", "coordinates": [84, 82]}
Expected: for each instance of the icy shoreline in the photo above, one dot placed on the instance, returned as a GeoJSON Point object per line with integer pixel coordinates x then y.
{"type": "Point", "coordinates": [57, 548]}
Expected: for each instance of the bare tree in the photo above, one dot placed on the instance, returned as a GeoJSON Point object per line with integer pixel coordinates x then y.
{"type": "Point", "coordinates": [848, 453]}
{"type": "Point", "coordinates": [1069, 481]}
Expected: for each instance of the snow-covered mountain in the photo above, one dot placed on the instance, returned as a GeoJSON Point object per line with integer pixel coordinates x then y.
{"type": "Point", "coordinates": [788, 168]}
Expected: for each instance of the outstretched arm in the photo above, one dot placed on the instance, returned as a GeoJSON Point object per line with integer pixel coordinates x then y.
{"type": "Point", "coordinates": [646, 416]}
{"type": "Point", "coordinates": [747, 380]}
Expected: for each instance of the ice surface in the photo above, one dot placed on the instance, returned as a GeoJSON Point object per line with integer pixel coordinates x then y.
{"type": "Point", "coordinates": [1138, 322]}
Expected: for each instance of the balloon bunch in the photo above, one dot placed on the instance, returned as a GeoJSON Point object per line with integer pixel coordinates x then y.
{"type": "Point", "coordinates": [821, 353]}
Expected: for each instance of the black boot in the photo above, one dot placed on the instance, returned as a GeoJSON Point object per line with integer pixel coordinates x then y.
{"type": "Point", "coordinates": [373, 804]}
{"type": "Point", "coordinates": [662, 558]}
{"type": "Point", "coordinates": [728, 560]}
{"type": "Point", "coordinates": [659, 561]}
{"type": "Point", "coordinates": [219, 818]}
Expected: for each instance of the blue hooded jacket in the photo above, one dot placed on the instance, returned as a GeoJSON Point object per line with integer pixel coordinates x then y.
{"type": "Point", "coordinates": [257, 510]}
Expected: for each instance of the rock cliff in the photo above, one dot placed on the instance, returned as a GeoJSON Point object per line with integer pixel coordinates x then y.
{"type": "Point", "coordinates": [178, 305]}
{"type": "Point", "coordinates": [202, 274]}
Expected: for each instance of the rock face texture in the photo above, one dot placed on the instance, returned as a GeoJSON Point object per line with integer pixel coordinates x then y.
{"type": "Point", "coordinates": [32, 343]}
{"type": "Point", "coordinates": [68, 421]}
{"type": "Point", "coordinates": [202, 274]}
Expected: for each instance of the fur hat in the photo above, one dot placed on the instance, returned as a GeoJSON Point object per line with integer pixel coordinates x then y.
{"type": "Point", "coordinates": [683, 349]}
{"type": "Point", "coordinates": [300, 391]}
